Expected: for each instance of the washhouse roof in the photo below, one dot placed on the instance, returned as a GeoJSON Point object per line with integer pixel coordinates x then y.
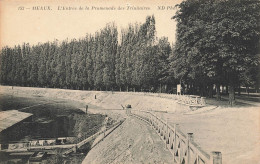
{"type": "Point", "coordinates": [10, 117]}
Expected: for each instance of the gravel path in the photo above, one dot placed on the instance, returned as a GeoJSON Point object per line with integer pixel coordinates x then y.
{"type": "Point", "coordinates": [132, 142]}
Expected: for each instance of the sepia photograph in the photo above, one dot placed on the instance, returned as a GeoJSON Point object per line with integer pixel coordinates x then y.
{"type": "Point", "coordinates": [129, 81]}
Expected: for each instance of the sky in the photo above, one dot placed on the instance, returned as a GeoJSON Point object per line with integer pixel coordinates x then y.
{"type": "Point", "coordinates": [20, 23]}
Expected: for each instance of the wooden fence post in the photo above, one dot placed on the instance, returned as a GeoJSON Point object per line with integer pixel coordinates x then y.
{"type": "Point", "coordinates": [166, 135]}
{"type": "Point", "coordinates": [150, 119]}
{"type": "Point", "coordinates": [75, 148]}
{"type": "Point", "coordinates": [153, 121]}
{"type": "Point", "coordinates": [86, 109]}
{"type": "Point", "coordinates": [189, 139]}
{"type": "Point", "coordinates": [216, 157]}
{"type": "Point", "coordinates": [157, 124]}
{"type": "Point", "coordinates": [203, 101]}
{"type": "Point", "coordinates": [175, 144]}
{"type": "Point", "coordinates": [104, 134]}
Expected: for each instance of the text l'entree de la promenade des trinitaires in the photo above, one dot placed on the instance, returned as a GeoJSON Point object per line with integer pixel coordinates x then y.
{"type": "Point", "coordinates": [94, 8]}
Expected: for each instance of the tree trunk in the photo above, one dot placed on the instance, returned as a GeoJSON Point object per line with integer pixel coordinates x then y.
{"type": "Point", "coordinates": [227, 89]}
{"type": "Point", "coordinates": [218, 92]}
{"type": "Point", "coordinates": [210, 90]}
{"type": "Point", "coordinates": [231, 94]}
{"type": "Point", "coordinates": [189, 89]}
{"type": "Point", "coordinates": [247, 90]}
{"type": "Point", "coordinates": [127, 88]}
{"type": "Point", "coordinates": [256, 88]}
{"type": "Point", "coordinates": [203, 90]}
{"type": "Point", "coordinates": [120, 89]}
{"type": "Point", "coordinates": [239, 90]}
{"type": "Point", "coordinates": [193, 89]}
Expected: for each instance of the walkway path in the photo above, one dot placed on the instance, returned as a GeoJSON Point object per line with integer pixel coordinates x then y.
{"type": "Point", "coordinates": [132, 142]}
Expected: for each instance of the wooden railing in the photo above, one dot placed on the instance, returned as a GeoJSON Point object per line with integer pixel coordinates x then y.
{"type": "Point", "coordinates": [182, 147]}
{"type": "Point", "coordinates": [191, 100]}
{"type": "Point", "coordinates": [26, 146]}
{"type": "Point", "coordinates": [85, 140]}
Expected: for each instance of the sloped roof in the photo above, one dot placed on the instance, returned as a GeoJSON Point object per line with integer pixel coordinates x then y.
{"type": "Point", "coordinates": [10, 117]}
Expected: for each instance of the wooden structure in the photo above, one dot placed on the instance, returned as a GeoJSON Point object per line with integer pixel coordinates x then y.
{"type": "Point", "coordinates": [182, 147]}
{"type": "Point", "coordinates": [28, 147]}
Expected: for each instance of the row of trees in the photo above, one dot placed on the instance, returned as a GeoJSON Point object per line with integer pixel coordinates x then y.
{"type": "Point", "coordinates": [96, 62]}
{"type": "Point", "coordinates": [217, 43]}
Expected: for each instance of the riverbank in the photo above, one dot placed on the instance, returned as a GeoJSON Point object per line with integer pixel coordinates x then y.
{"type": "Point", "coordinates": [51, 119]}
{"type": "Point", "coordinates": [233, 131]}
{"type": "Point", "coordinates": [105, 100]}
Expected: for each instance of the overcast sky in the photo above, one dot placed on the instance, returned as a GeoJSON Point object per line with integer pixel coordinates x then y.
{"type": "Point", "coordinates": [33, 26]}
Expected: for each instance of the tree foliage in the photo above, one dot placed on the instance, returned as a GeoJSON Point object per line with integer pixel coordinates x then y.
{"type": "Point", "coordinates": [217, 41]}
{"type": "Point", "coordinates": [98, 62]}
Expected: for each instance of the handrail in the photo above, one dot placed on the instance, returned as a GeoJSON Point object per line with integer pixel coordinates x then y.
{"type": "Point", "coordinates": [86, 140]}
{"type": "Point", "coordinates": [192, 100]}
{"type": "Point", "coordinates": [182, 147]}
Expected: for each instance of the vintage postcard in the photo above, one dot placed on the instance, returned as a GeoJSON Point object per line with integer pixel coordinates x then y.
{"type": "Point", "coordinates": [129, 81]}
